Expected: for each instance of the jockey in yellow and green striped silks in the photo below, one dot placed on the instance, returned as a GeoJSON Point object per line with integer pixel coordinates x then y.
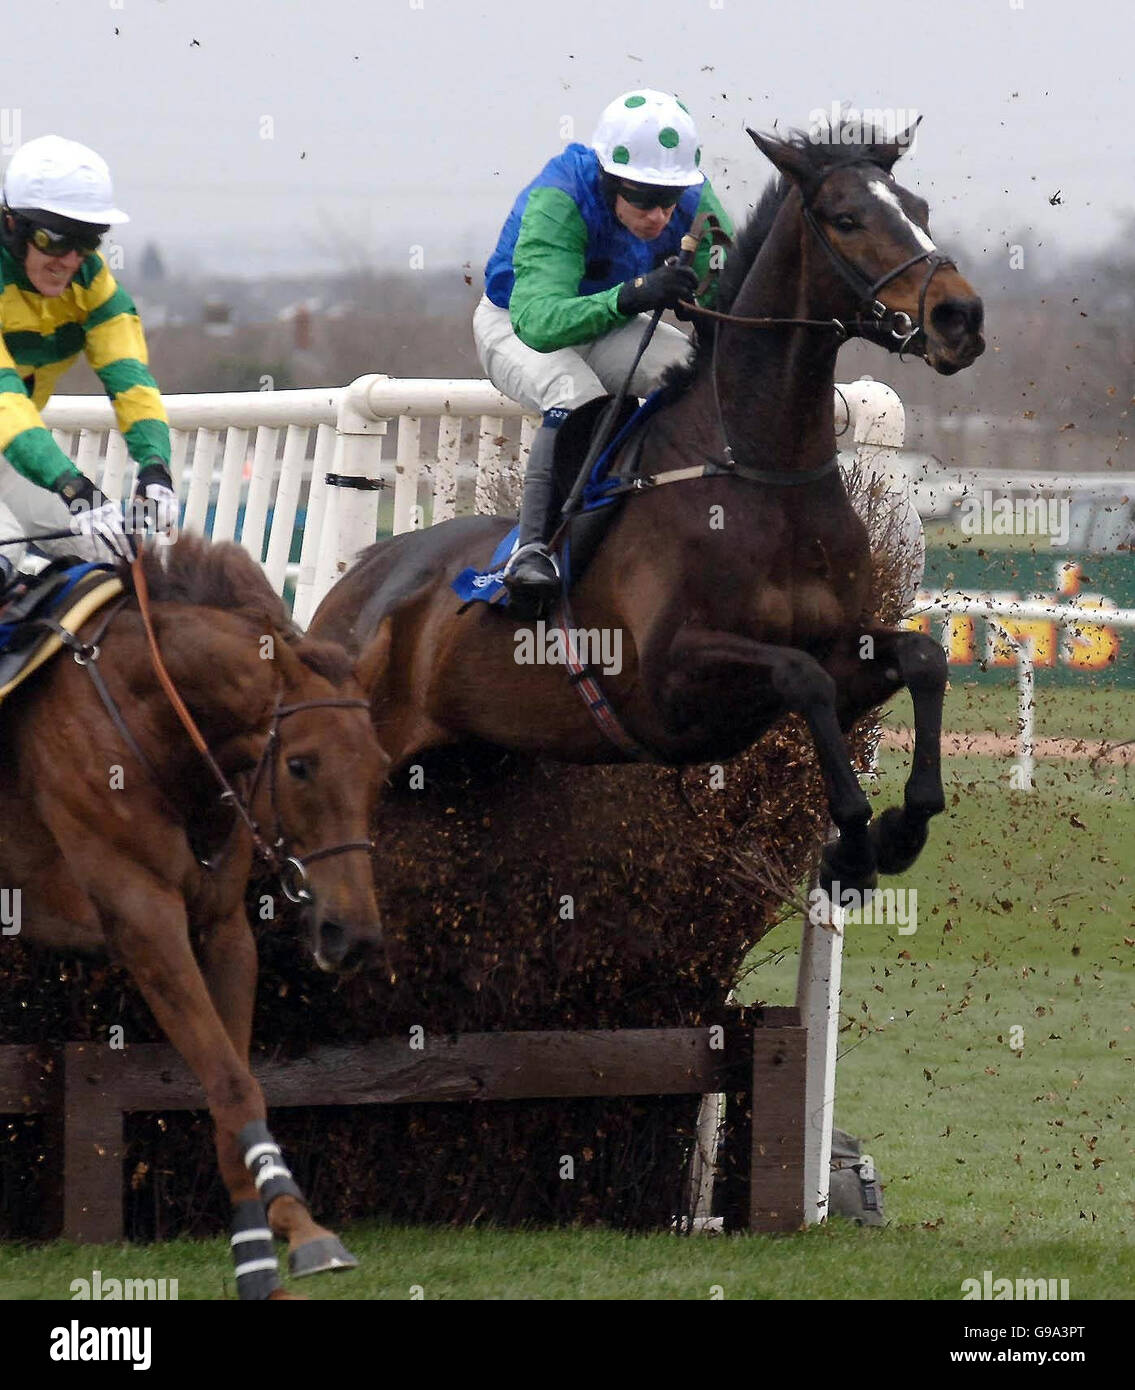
{"type": "Point", "coordinates": [58, 299]}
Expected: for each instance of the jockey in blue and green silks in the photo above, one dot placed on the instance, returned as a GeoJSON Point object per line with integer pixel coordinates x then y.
{"type": "Point", "coordinates": [579, 261]}
{"type": "Point", "coordinates": [58, 298]}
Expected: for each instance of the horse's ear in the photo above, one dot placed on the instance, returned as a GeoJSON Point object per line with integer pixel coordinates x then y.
{"type": "Point", "coordinates": [886, 153]}
{"type": "Point", "coordinates": [790, 159]}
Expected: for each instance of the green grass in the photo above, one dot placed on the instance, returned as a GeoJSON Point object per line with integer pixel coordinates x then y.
{"type": "Point", "coordinates": [1024, 919]}
{"type": "Point", "coordinates": [1017, 1161]}
{"type": "Point", "coordinates": [1059, 711]}
{"type": "Point", "coordinates": [834, 1262]}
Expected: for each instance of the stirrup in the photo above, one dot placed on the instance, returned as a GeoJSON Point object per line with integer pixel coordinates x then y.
{"type": "Point", "coordinates": [524, 551]}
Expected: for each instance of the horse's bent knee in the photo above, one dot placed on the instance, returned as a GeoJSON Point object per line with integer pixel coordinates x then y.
{"type": "Point", "coordinates": [924, 664]}
{"type": "Point", "coordinates": [802, 683]}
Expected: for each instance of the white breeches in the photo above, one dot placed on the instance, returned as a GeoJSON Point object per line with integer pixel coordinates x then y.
{"type": "Point", "coordinates": [27, 509]}
{"type": "Point", "coordinates": [570, 377]}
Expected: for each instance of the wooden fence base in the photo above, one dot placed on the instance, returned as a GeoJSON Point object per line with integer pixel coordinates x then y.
{"type": "Point", "coordinates": [92, 1088]}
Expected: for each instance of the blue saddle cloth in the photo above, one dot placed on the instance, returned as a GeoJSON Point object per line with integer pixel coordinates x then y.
{"type": "Point", "coordinates": [487, 586]}
{"type": "Point", "coordinates": [13, 634]}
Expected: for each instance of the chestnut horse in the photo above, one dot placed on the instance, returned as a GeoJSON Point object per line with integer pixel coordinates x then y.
{"type": "Point", "coordinates": [115, 833]}
{"type": "Point", "coordinates": [742, 594]}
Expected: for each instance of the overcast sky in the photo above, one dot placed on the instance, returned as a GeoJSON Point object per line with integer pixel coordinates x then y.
{"type": "Point", "coordinates": [402, 123]}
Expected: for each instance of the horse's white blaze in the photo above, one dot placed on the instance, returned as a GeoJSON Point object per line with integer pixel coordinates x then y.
{"type": "Point", "coordinates": [888, 196]}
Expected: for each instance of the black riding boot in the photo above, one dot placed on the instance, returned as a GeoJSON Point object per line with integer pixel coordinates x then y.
{"type": "Point", "coordinates": [532, 575]}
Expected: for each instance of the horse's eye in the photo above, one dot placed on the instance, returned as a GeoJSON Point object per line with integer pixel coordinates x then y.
{"type": "Point", "coordinates": [844, 222]}
{"type": "Point", "coordinates": [298, 768]}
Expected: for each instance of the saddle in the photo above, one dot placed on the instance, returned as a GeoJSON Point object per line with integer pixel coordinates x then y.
{"type": "Point", "coordinates": [58, 600]}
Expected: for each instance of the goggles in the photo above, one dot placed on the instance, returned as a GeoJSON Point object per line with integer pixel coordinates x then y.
{"type": "Point", "coordinates": [62, 243]}
{"type": "Point", "coordinates": [645, 196]}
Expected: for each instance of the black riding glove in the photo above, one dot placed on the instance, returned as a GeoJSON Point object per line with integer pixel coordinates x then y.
{"type": "Point", "coordinates": [94, 516]}
{"type": "Point", "coordinates": [661, 289]}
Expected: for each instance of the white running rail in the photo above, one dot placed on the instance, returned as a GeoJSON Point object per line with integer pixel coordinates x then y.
{"type": "Point", "coordinates": [1074, 620]}
{"type": "Point", "coordinates": [275, 451]}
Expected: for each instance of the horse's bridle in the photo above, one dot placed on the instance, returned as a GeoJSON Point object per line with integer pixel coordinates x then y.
{"type": "Point", "coordinates": [902, 329]}
{"type": "Point", "coordinates": [899, 323]}
{"type": "Point", "coordinates": [291, 869]}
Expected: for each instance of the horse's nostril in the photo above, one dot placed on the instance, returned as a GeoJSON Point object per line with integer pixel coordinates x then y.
{"type": "Point", "coordinates": [333, 942]}
{"type": "Point", "coordinates": [955, 319]}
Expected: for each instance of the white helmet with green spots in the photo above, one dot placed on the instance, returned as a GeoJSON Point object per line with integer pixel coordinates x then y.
{"type": "Point", "coordinates": [649, 137]}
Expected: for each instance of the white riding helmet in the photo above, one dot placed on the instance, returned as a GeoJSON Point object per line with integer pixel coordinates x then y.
{"type": "Point", "coordinates": [649, 137]}
{"type": "Point", "coordinates": [50, 174]}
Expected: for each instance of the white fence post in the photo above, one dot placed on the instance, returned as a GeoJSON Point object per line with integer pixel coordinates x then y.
{"type": "Point", "coordinates": [818, 987]}
{"type": "Point", "coordinates": [877, 422]}
{"type": "Point", "coordinates": [408, 464]}
{"type": "Point", "coordinates": [326, 443]}
{"type": "Point", "coordinates": [350, 517]}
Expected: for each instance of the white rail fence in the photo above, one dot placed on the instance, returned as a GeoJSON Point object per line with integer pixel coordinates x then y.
{"type": "Point", "coordinates": [275, 452]}
{"type": "Point", "coordinates": [1002, 615]}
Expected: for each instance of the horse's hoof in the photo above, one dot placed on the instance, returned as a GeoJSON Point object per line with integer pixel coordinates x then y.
{"type": "Point", "coordinates": [898, 839]}
{"type": "Point", "coordinates": [836, 871]}
{"type": "Point", "coordinates": [316, 1256]}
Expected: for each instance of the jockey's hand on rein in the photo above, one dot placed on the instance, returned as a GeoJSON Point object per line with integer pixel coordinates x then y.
{"type": "Point", "coordinates": [660, 289]}
{"type": "Point", "coordinates": [155, 502]}
{"type": "Point", "coordinates": [95, 516]}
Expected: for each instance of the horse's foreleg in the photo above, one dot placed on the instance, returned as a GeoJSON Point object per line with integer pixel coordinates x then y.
{"type": "Point", "coordinates": [146, 927]}
{"type": "Point", "coordinates": [229, 966]}
{"type": "Point", "coordinates": [890, 660]}
{"type": "Point", "coordinates": [709, 659]}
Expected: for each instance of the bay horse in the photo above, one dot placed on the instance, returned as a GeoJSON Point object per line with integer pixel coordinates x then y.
{"type": "Point", "coordinates": [115, 833]}
{"type": "Point", "coordinates": [741, 594]}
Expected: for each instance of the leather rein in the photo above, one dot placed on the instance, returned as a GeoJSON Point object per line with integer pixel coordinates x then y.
{"type": "Point", "coordinates": [290, 868]}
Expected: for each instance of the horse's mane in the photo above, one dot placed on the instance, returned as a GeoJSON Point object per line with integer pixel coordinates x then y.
{"type": "Point", "coordinates": [223, 575]}
{"type": "Point", "coordinates": [821, 153]}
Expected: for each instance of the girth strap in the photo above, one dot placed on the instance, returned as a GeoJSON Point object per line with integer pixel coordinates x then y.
{"type": "Point", "coordinates": [590, 691]}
